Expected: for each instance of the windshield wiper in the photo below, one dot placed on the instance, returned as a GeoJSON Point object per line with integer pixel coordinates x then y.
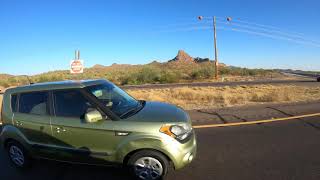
{"type": "Point", "coordinates": [133, 110]}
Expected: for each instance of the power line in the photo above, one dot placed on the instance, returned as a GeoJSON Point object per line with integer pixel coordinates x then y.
{"type": "Point", "coordinates": [260, 28]}
{"type": "Point", "coordinates": [246, 27]}
{"type": "Point", "coordinates": [276, 32]}
{"type": "Point", "coordinates": [271, 36]}
{"type": "Point", "coordinates": [184, 29]}
{"type": "Point", "coordinates": [178, 25]}
{"type": "Point", "coordinates": [262, 25]}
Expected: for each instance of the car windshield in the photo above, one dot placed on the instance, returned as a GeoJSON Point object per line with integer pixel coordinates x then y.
{"type": "Point", "coordinates": [117, 100]}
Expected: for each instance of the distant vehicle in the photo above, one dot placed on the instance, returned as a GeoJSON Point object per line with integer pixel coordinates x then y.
{"type": "Point", "coordinates": [95, 122]}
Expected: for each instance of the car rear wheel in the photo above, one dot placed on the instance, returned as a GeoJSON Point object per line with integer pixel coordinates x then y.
{"type": "Point", "coordinates": [148, 165]}
{"type": "Point", "coordinates": [18, 155]}
{"type": "Point", "coordinates": [318, 79]}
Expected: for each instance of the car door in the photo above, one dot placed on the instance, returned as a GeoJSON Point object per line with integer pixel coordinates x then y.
{"type": "Point", "coordinates": [32, 118]}
{"type": "Point", "coordinates": [75, 139]}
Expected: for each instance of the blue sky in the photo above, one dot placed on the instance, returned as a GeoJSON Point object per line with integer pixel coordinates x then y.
{"type": "Point", "coordinates": [39, 36]}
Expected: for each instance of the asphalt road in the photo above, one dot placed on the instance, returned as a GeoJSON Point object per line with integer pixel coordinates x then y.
{"type": "Point", "coordinates": [272, 151]}
{"type": "Point", "coordinates": [303, 82]}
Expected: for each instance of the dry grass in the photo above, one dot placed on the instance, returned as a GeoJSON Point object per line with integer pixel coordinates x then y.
{"type": "Point", "coordinates": [211, 97]}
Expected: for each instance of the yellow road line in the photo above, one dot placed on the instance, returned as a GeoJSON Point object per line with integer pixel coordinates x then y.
{"type": "Point", "coordinates": [252, 122]}
{"type": "Point", "coordinates": [256, 121]}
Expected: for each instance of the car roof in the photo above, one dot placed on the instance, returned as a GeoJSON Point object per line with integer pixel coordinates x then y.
{"type": "Point", "coordinates": [69, 84]}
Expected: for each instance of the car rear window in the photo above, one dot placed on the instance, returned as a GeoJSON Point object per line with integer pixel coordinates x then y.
{"type": "Point", "coordinates": [14, 103]}
{"type": "Point", "coordinates": [34, 103]}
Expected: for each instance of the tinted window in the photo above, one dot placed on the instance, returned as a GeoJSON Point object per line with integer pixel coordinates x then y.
{"type": "Point", "coordinates": [33, 103]}
{"type": "Point", "coordinates": [70, 103]}
{"type": "Point", "coordinates": [14, 103]}
{"type": "Point", "coordinates": [115, 98]}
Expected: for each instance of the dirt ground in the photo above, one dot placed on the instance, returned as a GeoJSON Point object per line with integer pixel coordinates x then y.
{"type": "Point", "coordinates": [213, 97]}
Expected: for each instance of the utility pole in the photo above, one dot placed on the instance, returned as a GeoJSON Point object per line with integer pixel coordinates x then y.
{"type": "Point", "coordinates": [216, 64]}
{"type": "Point", "coordinates": [215, 49]}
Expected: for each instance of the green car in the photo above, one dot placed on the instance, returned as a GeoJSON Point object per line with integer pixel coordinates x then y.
{"type": "Point", "coordinates": [95, 122]}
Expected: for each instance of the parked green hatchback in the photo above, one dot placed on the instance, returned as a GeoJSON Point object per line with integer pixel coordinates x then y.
{"type": "Point", "coordinates": [95, 122]}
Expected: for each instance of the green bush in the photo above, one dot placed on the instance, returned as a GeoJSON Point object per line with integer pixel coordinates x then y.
{"type": "Point", "coordinates": [203, 73]}
{"type": "Point", "coordinates": [4, 84]}
{"type": "Point", "coordinates": [169, 77]}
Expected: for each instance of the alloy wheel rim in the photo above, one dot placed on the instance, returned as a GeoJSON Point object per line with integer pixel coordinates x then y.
{"type": "Point", "coordinates": [148, 168]}
{"type": "Point", "coordinates": [16, 155]}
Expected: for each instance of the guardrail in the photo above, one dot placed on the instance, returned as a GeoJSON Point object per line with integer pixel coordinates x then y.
{"type": "Point", "coordinates": [313, 75]}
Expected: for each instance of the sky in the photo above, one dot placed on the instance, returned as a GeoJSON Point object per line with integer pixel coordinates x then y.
{"type": "Point", "coordinates": [40, 35]}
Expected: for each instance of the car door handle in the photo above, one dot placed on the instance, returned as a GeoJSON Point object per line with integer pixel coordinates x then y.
{"type": "Point", "coordinates": [60, 129]}
{"type": "Point", "coordinates": [120, 133]}
{"type": "Point", "coordinates": [18, 123]}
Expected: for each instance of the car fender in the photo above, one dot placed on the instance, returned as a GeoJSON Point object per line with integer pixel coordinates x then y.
{"type": "Point", "coordinates": [12, 132]}
{"type": "Point", "coordinates": [140, 142]}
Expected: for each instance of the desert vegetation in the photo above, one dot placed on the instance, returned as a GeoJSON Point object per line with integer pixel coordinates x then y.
{"type": "Point", "coordinates": [182, 68]}
{"type": "Point", "coordinates": [145, 74]}
{"type": "Point", "coordinates": [215, 97]}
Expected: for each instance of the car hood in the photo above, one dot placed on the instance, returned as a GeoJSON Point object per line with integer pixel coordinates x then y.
{"type": "Point", "coordinates": [160, 112]}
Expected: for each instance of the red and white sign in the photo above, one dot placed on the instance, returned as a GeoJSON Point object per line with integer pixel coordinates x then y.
{"type": "Point", "coordinates": [76, 67]}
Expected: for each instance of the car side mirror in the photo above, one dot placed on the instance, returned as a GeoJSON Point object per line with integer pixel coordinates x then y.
{"type": "Point", "coordinates": [92, 116]}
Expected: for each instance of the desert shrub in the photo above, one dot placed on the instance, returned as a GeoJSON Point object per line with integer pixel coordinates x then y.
{"type": "Point", "coordinates": [128, 79]}
{"type": "Point", "coordinates": [224, 70]}
{"type": "Point", "coordinates": [169, 77]}
{"type": "Point", "coordinates": [147, 75]}
{"type": "Point", "coordinates": [4, 84]}
{"type": "Point", "coordinates": [43, 79]}
{"type": "Point", "coordinates": [150, 75]}
{"type": "Point", "coordinates": [203, 73]}
{"type": "Point", "coordinates": [12, 80]}
{"type": "Point", "coordinates": [143, 76]}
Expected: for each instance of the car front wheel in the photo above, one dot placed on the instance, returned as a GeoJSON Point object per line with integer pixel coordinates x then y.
{"type": "Point", "coordinates": [148, 165]}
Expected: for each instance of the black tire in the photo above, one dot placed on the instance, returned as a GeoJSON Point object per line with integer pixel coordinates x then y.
{"type": "Point", "coordinates": [165, 164]}
{"type": "Point", "coordinates": [318, 79]}
{"type": "Point", "coordinates": [19, 149]}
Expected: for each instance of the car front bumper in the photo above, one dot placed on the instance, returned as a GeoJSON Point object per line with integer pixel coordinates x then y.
{"type": "Point", "coordinates": [182, 154]}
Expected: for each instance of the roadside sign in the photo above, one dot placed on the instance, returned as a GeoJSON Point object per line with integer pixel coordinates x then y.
{"type": "Point", "coordinates": [76, 67]}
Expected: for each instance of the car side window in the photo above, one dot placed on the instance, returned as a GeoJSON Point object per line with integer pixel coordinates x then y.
{"type": "Point", "coordinates": [34, 103]}
{"type": "Point", "coordinates": [70, 103]}
{"type": "Point", "coordinates": [14, 103]}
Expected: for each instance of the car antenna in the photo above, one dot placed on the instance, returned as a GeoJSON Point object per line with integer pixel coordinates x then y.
{"type": "Point", "coordinates": [30, 83]}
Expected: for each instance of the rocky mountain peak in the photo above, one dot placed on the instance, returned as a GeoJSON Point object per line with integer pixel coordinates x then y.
{"type": "Point", "coordinates": [182, 56]}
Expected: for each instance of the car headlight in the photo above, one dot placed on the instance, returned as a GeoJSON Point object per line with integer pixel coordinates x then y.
{"type": "Point", "coordinates": [179, 132]}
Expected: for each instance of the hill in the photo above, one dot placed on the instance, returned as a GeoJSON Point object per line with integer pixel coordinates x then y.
{"type": "Point", "coordinates": [4, 76]}
{"type": "Point", "coordinates": [182, 68]}
{"type": "Point", "coordinates": [182, 57]}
